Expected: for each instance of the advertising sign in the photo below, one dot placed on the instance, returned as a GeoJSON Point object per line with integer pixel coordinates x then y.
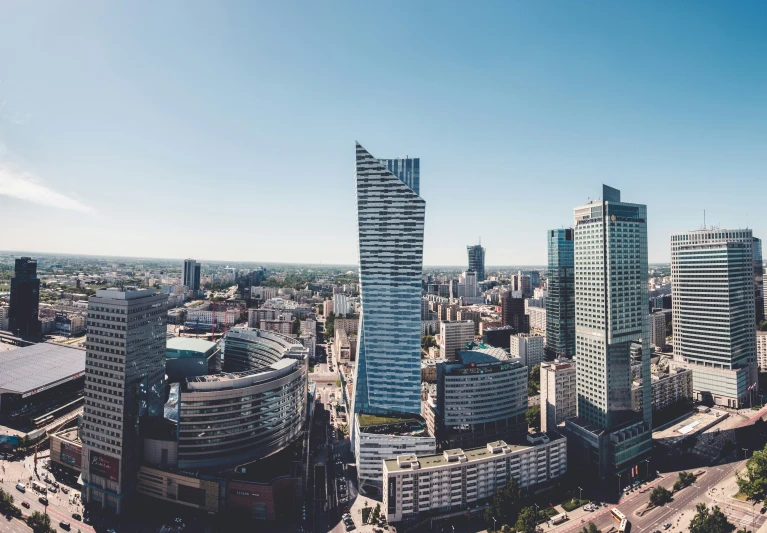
{"type": "Point", "coordinates": [70, 455]}
{"type": "Point", "coordinates": [104, 466]}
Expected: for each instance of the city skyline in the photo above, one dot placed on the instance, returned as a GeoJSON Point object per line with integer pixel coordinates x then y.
{"type": "Point", "coordinates": [669, 111]}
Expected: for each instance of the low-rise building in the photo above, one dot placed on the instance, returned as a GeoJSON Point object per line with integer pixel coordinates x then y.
{"type": "Point", "coordinates": [456, 479]}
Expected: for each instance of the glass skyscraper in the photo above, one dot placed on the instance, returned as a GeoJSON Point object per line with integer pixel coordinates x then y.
{"type": "Point", "coordinates": [390, 220]}
{"type": "Point", "coordinates": [25, 299]}
{"type": "Point", "coordinates": [560, 302]}
{"type": "Point", "coordinates": [477, 260]}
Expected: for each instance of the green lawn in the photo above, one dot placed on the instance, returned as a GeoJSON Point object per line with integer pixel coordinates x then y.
{"type": "Point", "coordinates": [376, 420]}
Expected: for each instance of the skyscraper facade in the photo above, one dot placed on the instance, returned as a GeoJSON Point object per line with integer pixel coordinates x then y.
{"type": "Point", "coordinates": [192, 275]}
{"type": "Point", "coordinates": [25, 299]}
{"type": "Point", "coordinates": [560, 302]}
{"type": "Point", "coordinates": [713, 299]}
{"type": "Point", "coordinates": [611, 294]}
{"type": "Point", "coordinates": [758, 280]}
{"type": "Point", "coordinates": [513, 314]}
{"type": "Point", "coordinates": [124, 384]}
{"type": "Point", "coordinates": [477, 260]}
{"type": "Point", "coordinates": [390, 220]}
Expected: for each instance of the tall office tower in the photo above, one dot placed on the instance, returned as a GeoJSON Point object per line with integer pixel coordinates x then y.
{"type": "Point", "coordinates": [758, 280]}
{"type": "Point", "coordinates": [658, 329]}
{"type": "Point", "coordinates": [467, 285]}
{"type": "Point", "coordinates": [558, 397]}
{"type": "Point", "coordinates": [477, 260]}
{"type": "Point", "coordinates": [390, 219]}
{"type": "Point", "coordinates": [454, 336]}
{"type": "Point", "coordinates": [192, 275]}
{"type": "Point", "coordinates": [25, 299]}
{"type": "Point", "coordinates": [560, 302]}
{"type": "Point", "coordinates": [513, 314]}
{"type": "Point", "coordinates": [528, 348]}
{"type": "Point", "coordinates": [712, 296]}
{"type": "Point", "coordinates": [124, 385]}
{"type": "Point", "coordinates": [611, 296]}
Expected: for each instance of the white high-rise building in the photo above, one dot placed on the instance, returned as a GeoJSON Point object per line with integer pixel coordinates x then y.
{"type": "Point", "coordinates": [528, 348]}
{"type": "Point", "coordinates": [761, 350]}
{"type": "Point", "coordinates": [454, 336]}
{"type": "Point", "coordinates": [713, 299]}
{"type": "Point", "coordinates": [658, 329]}
{"type": "Point", "coordinates": [558, 393]}
{"type": "Point", "coordinates": [124, 382]}
{"type": "Point", "coordinates": [341, 304]}
{"type": "Point", "coordinates": [611, 295]}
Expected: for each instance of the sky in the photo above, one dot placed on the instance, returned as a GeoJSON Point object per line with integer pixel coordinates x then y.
{"type": "Point", "coordinates": [225, 130]}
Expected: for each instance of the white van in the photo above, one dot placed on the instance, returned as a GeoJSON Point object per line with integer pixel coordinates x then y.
{"type": "Point", "coordinates": [20, 487]}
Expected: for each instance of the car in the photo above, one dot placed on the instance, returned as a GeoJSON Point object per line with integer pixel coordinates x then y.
{"type": "Point", "coordinates": [762, 510]}
{"type": "Point", "coordinates": [64, 489]}
{"type": "Point", "coordinates": [77, 516]}
{"type": "Point", "coordinates": [52, 489]}
{"type": "Point", "coordinates": [65, 525]}
{"type": "Point", "coordinates": [667, 525]}
{"type": "Point", "coordinates": [25, 504]}
{"type": "Point", "coordinates": [43, 500]}
{"type": "Point", "coordinates": [350, 527]}
{"type": "Point", "coordinates": [20, 487]}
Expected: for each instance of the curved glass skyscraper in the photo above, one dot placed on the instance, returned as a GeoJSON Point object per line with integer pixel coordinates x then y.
{"type": "Point", "coordinates": [390, 219]}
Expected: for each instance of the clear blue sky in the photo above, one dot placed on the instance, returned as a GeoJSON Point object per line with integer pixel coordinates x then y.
{"type": "Point", "coordinates": [225, 130]}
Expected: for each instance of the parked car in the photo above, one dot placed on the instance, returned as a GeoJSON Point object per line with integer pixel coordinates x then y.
{"type": "Point", "coordinates": [43, 500]}
{"type": "Point", "coordinates": [77, 516]}
{"type": "Point", "coordinates": [65, 525]}
{"type": "Point", "coordinates": [25, 504]}
{"type": "Point", "coordinates": [20, 487]}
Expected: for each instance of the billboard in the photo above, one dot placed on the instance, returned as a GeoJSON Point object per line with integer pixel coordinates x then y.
{"type": "Point", "coordinates": [104, 466]}
{"type": "Point", "coordinates": [70, 455]}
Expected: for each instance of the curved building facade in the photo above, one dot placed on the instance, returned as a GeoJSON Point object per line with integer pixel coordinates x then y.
{"type": "Point", "coordinates": [255, 408]}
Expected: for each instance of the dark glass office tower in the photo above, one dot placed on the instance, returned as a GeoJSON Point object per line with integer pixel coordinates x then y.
{"type": "Point", "coordinates": [758, 280]}
{"type": "Point", "coordinates": [560, 302]}
{"type": "Point", "coordinates": [513, 314]}
{"type": "Point", "coordinates": [25, 299]}
{"type": "Point", "coordinates": [477, 261]}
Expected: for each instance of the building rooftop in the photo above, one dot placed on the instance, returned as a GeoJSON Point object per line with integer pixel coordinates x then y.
{"type": "Point", "coordinates": [69, 435]}
{"type": "Point", "coordinates": [392, 424]}
{"type": "Point", "coordinates": [178, 347]}
{"type": "Point", "coordinates": [31, 369]}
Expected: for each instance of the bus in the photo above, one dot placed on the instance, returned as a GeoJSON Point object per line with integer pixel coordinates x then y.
{"type": "Point", "coordinates": [621, 519]}
{"type": "Point", "coordinates": [558, 519]}
{"type": "Point", "coordinates": [42, 421]}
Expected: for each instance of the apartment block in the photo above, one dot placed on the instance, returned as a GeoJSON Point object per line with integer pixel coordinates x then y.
{"type": "Point", "coordinates": [454, 336]}
{"type": "Point", "coordinates": [558, 394]}
{"type": "Point", "coordinates": [529, 348]}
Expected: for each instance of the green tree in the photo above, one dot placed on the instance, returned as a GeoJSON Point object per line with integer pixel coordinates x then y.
{"type": "Point", "coordinates": [376, 512]}
{"type": "Point", "coordinates": [6, 505]}
{"type": "Point", "coordinates": [685, 480]}
{"type": "Point", "coordinates": [706, 521]}
{"type": "Point", "coordinates": [535, 374]}
{"type": "Point", "coordinates": [39, 522]}
{"type": "Point", "coordinates": [427, 341]}
{"type": "Point", "coordinates": [660, 496]}
{"type": "Point", "coordinates": [526, 521]}
{"type": "Point", "coordinates": [753, 483]}
{"type": "Point", "coordinates": [533, 417]}
{"type": "Point", "coordinates": [592, 528]}
{"type": "Point", "coordinates": [505, 504]}
{"type": "Point", "coordinates": [763, 325]}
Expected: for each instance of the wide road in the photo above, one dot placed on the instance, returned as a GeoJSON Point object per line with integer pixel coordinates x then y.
{"type": "Point", "coordinates": [739, 514]}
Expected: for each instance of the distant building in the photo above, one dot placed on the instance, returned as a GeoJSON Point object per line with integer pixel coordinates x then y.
{"type": "Point", "coordinates": [528, 348]}
{"type": "Point", "coordinates": [658, 329]}
{"type": "Point", "coordinates": [341, 304]}
{"type": "Point", "coordinates": [477, 260]}
{"type": "Point", "coordinates": [4, 318]}
{"type": "Point", "coordinates": [342, 347]}
{"type": "Point", "coordinates": [537, 318]}
{"type": "Point", "coordinates": [70, 324]}
{"type": "Point", "coordinates": [558, 396]}
{"type": "Point", "coordinates": [464, 314]}
{"type": "Point", "coordinates": [513, 314]}
{"type": "Point", "coordinates": [454, 336]}
{"type": "Point", "coordinates": [497, 336]}
{"type": "Point", "coordinates": [191, 277]}
{"type": "Point", "coordinates": [25, 299]}
{"type": "Point", "coordinates": [327, 308]}
{"type": "Point", "coordinates": [560, 300]}
{"type": "Point", "coordinates": [668, 390]}
{"type": "Point", "coordinates": [761, 350]}
{"type": "Point", "coordinates": [459, 479]}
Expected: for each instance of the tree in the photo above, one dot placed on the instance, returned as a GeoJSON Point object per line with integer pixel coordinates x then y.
{"type": "Point", "coordinates": [685, 480]}
{"type": "Point", "coordinates": [763, 325]}
{"type": "Point", "coordinates": [505, 504]}
{"type": "Point", "coordinates": [39, 522]}
{"type": "Point", "coordinates": [526, 522]}
{"type": "Point", "coordinates": [591, 529]}
{"type": "Point", "coordinates": [754, 482]}
{"type": "Point", "coordinates": [535, 374]}
{"type": "Point", "coordinates": [6, 505]}
{"type": "Point", "coordinates": [660, 496]}
{"type": "Point", "coordinates": [376, 512]}
{"type": "Point", "coordinates": [427, 341]}
{"type": "Point", "coordinates": [709, 522]}
{"type": "Point", "coordinates": [533, 417]}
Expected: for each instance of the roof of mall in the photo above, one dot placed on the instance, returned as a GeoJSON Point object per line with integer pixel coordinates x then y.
{"type": "Point", "coordinates": [29, 369]}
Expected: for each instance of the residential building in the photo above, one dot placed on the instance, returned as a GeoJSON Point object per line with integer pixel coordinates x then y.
{"type": "Point", "coordinates": [477, 260]}
{"type": "Point", "coordinates": [481, 396]}
{"type": "Point", "coordinates": [528, 348]}
{"type": "Point", "coordinates": [468, 287]}
{"type": "Point", "coordinates": [349, 325]}
{"type": "Point", "coordinates": [327, 308]}
{"type": "Point", "coordinates": [668, 389]}
{"type": "Point", "coordinates": [469, 314]}
{"type": "Point", "coordinates": [191, 275]}
{"type": "Point", "coordinates": [124, 384]}
{"type": "Point", "coordinates": [24, 302]}
{"type": "Point", "coordinates": [558, 394]}
{"type": "Point", "coordinates": [611, 295]}
{"type": "Point", "coordinates": [282, 324]}
{"type": "Point", "coordinates": [341, 304]}
{"type": "Point", "coordinates": [513, 314]}
{"type": "Point", "coordinates": [454, 336]}
{"type": "Point", "coordinates": [761, 350]}
{"type": "Point", "coordinates": [382, 437]}
{"type": "Point", "coordinates": [457, 479]}
{"type": "Point", "coordinates": [390, 221]}
{"type": "Point", "coordinates": [341, 346]}
{"type": "Point", "coordinates": [536, 317]}
{"type": "Point", "coordinates": [658, 329]}
{"type": "Point", "coordinates": [521, 283]}
{"type": "Point", "coordinates": [4, 317]}
{"type": "Point", "coordinates": [712, 279]}
{"type": "Point", "coordinates": [560, 301]}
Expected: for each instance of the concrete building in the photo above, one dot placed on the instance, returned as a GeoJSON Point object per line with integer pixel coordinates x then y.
{"type": "Point", "coordinates": [558, 394]}
{"type": "Point", "coordinates": [4, 317]}
{"type": "Point", "coordinates": [481, 396]}
{"type": "Point", "coordinates": [457, 479]}
{"type": "Point", "coordinates": [341, 346]}
{"type": "Point", "coordinates": [537, 318]}
{"type": "Point", "coordinates": [187, 357]}
{"type": "Point", "coordinates": [382, 437]}
{"type": "Point", "coordinates": [282, 324]}
{"type": "Point", "coordinates": [611, 295]}
{"type": "Point", "coordinates": [124, 383]}
{"type": "Point", "coordinates": [327, 308]}
{"type": "Point", "coordinates": [341, 305]}
{"type": "Point", "coordinates": [761, 350]}
{"type": "Point", "coordinates": [191, 275]}
{"type": "Point", "coordinates": [513, 314]}
{"type": "Point", "coordinates": [713, 301]}
{"type": "Point", "coordinates": [528, 348]}
{"type": "Point", "coordinates": [668, 389]}
{"type": "Point", "coordinates": [560, 300]}
{"type": "Point", "coordinates": [477, 260]}
{"type": "Point", "coordinates": [453, 336]}
{"type": "Point", "coordinates": [465, 313]}
{"type": "Point", "coordinates": [658, 330]}
{"type": "Point", "coordinates": [468, 286]}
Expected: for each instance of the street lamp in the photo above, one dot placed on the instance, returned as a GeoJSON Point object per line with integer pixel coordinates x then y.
{"type": "Point", "coordinates": [494, 526]}
{"type": "Point", "coordinates": [647, 468]}
{"type": "Point", "coordinates": [536, 512]}
{"type": "Point", "coordinates": [580, 495]}
{"type": "Point", "coordinates": [745, 453]}
{"type": "Point", "coordinates": [619, 484]}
